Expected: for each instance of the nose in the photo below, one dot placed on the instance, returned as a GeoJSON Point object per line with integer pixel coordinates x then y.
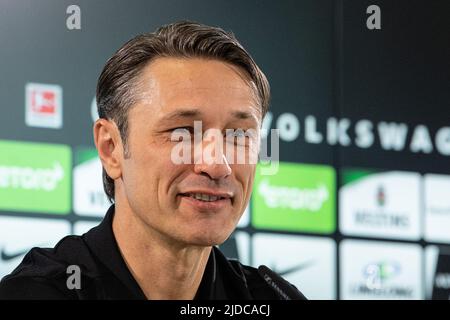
{"type": "Point", "coordinates": [216, 170]}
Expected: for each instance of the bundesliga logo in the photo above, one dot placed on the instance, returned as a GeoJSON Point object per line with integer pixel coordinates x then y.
{"type": "Point", "coordinates": [43, 105]}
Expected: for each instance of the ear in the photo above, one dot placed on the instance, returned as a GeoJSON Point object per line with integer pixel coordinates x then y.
{"type": "Point", "coordinates": [109, 146]}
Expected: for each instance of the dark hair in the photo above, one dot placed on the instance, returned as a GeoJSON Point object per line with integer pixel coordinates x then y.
{"type": "Point", "coordinates": [118, 83]}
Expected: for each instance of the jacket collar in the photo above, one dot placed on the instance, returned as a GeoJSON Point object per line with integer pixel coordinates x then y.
{"type": "Point", "coordinates": [102, 243]}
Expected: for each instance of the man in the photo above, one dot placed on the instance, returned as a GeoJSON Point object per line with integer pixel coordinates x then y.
{"type": "Point", "coordinates": [158, 239]}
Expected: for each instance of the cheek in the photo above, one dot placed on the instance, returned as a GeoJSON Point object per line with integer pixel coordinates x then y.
{"type": "Point", "coordinates": [156, 174]}
{"type": "Point", "coordinates": [138, 178]}
{"type": "Point", "coordinates": [245, 175]}
{"type": "Point", "coordinates": [141, 171]}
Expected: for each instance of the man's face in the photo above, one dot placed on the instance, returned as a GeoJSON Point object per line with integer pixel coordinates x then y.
{"type": "Point", "coordinates": [164, 195]}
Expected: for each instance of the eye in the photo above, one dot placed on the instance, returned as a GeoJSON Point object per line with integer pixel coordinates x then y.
{"type": "Point", "coordinates": [235, 133]}
{"type": "Point", "coordinates": [237, 136]}
{"type": "Point", "coordinates": [189, 129]}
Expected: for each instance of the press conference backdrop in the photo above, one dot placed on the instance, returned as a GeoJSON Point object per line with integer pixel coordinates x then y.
{"type": "Point", "coordinates": [360, 206]}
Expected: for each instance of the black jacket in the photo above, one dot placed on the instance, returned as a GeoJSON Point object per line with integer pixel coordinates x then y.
{"type": "Point", "coordinates": [43, 273]}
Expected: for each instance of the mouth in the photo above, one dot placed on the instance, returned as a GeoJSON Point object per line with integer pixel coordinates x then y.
{"type": "Point", "coordinates": [206, 197]}
{"type": "Point", "coordinates": [207, 201]}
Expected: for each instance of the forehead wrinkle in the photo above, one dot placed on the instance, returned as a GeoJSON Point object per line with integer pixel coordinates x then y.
{"type": "Point", "coordinates": [182, 113]}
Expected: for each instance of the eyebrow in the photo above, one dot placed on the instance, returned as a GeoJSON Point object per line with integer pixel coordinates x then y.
{"type": "Point", "coordinates": [243, 115]}
{"type": "Point", "coordinates": [196, 113]}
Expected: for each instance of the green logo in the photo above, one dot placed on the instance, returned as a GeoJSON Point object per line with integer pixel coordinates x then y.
{"type": "Point", "coordinates": [299, 197]}
{"type": "Point", "coordinates": [35, 177]}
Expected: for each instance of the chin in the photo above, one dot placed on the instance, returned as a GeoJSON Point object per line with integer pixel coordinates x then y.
{"type": "Point", "coordinates": [209, 238]}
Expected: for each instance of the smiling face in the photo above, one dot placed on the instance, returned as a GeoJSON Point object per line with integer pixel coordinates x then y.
{"type": "Point", "coordinates": [198, 203]}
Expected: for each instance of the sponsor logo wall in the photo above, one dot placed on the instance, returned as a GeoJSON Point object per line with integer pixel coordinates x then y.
{"type": "Point", "coordinates": [296, 204]}
{"type": "Point", "coordinates": [289, 224]}
{"type": "Point", "coordinates": [360, 205]}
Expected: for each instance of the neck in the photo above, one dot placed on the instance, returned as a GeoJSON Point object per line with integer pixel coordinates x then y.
{"type": "Point", "coordinates": [163, 268]}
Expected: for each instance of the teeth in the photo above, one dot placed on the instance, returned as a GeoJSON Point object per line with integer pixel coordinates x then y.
{"type": "Point", "coordinates": [204, 197]}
